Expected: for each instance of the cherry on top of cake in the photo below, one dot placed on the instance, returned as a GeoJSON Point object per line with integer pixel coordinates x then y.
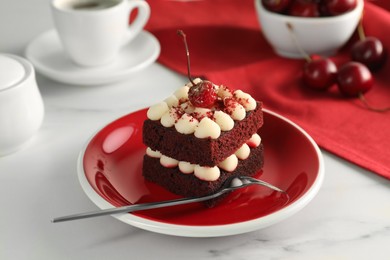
{"type": "Point", "coordinates": [201, 107]}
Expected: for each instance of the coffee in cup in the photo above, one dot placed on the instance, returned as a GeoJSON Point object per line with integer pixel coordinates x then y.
{"type": "Point", "coordinates": [91, 5]}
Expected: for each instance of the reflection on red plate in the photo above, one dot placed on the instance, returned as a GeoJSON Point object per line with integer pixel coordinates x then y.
{"type": "Point", "coordinates": [113, 167]}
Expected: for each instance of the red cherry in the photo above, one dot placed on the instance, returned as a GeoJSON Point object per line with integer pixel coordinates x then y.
{"type": "Point", "coordinates": [370, 52]}
{"type": "Point", "coordinates": [337, 7]}
{"type": "Point", "coordinates": [202, 94]}
{"type": "Point", "coordinates": [323, 8]}
{"type": "Point", "coordinates": [277, 6]}
{"type": "Point", "coordinates": [319, 73]}
{"type": "Point", "coordinates": [304, 8]}
{"type": "Point", "coordinates": [353, 79]}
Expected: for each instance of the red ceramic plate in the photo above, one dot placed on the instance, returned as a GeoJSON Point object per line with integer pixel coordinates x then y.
{"type": "Point", "coordinates": [110, 173]}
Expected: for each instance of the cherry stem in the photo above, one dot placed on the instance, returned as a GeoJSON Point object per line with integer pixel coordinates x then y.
{"type": "Point", "coordinates": [296, 42]}
{"type": "Point", "coordinates": [360, 29]}
{"type": "Point", "coordinates": [368, 106]}
{"type": "Point", "coordinates": [182, 34]}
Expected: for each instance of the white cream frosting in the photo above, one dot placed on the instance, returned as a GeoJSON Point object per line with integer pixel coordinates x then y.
{"type": "Point", "coordinates": [225, 122]}
{"type": "Point", "coordinates": [229, 164]}
{"type": "Point", "coordinates": [202, 112]}
{"type": "Point", "coordinates": [177, 111]}
{"type": "Point", "coordinates": [168, 161]}
{"type": "Point", "coordinates": [207, 128]}
{"type": "Point", "coordinates": [243, 152]}
{"type": "Point", "coordinates": [186, 124]}
{"type": "Point", "coordinates": [236, 111]}
{"type": "Point", "coordinates": [154, 154]}
{"type": "Point", "coordinates": [187, 107]}
{"type": "Point", "coordinates": [203, 172]}
{"type": "Point", "coordinates": [224, 92]}
{"type": "Point", "coordinates": [182, 93]}
{"type": "Point", "coordinates": [246, 100]}
{"type": "Point", "coordinates": [196, 81]}
{"type": "Point", "coordinates": [207, 173]}
{"type": "Point", "coordinates": [156, 111]}
{"type": "Point", "coordinates": [254, 141]}
{"type": "Point", "coordinates": [172, 101]}
{"type": "Point", "coordinates": [186, 167]}
{"type": "Point", "coordinates": [169, 118]}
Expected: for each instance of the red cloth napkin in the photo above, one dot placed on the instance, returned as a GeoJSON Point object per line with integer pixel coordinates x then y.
{"type": "Point", "coordinates": [227, 47]}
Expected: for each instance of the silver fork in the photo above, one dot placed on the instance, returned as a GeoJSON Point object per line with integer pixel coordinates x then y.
{"type": "Point", "coordinates": [229, 185]}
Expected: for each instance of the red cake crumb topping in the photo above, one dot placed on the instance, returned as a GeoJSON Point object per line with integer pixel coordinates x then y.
{"type": "Point", "coordinates": [178, 113]}
{"type": "Point", "coordinates": [242, 100]}
{"type": "Point", "coordinates": [229, 105]}
{"type": "Point", "coordinates": [200, 116]}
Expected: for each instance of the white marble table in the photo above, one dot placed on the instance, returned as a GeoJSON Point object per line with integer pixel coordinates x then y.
{"type": "Point", "coordinates": [348, 219]}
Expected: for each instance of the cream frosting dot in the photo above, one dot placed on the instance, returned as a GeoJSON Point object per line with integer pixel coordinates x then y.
{"type": "Point", "coordinates": [237, 112]}
{"type": "Point", "coordinates": [202, 112]}
{"type": "Point", "coordinates": [246, 100]}
{"type": "Point", "coordinates": [182, 93]}
{"type": "Point", "coordinates": [229, 164]}
{"type": "Point", "coordinates": [203, 172]}
{"type": "Point", "coordinates": [207, 173]}
{"type": "Point", "coordinates": [186, 167]}
{"type": "Point", "coordinates": [225, 122]}
{"type": "Point", "coordinates": [156, 111]}
{"type": "Point", "coordinates": [168, 161]}
{"type": "Point", "coordinates": [243, 152]}
{"type": "Point", "coordinates": [224, 92]}
{"type": "Point", "coordinates": [172, 101]}
{"type": "Point", "coordinates": [207, 128]}
{"type": "Point", "coordinates": [186, 124]}
{"type": "Point", "coordinates": [187, 107]}
{"type": "Point", "coordinates": [152, 153]}
{"type": "Point", "coordinates": [254, 141]}
{"type": "Point", "coordinates": [196, 81]}
{"type": "Point", "coordinates": [169, 118]}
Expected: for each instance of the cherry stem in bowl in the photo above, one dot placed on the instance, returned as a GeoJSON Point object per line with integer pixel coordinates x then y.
{"type": "Point", "coordinates": [360, 29]}
{"type": "Point", "coordinates": [368, 106]}
{"type": "Point", "coordinates": [296, 42]}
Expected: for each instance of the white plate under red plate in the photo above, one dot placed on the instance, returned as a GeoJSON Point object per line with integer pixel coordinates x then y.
{"type": "Point", "coordinates": [110, 172]}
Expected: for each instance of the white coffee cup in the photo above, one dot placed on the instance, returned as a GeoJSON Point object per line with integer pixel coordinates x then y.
{"type": "Point", "coordinates": [21, 105]}
{"type": "Point", "coordinates": [92, 32]}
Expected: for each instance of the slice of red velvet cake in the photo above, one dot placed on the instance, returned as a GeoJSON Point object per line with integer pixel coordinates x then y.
{"type": "Point", "coordinates": [201, 136]}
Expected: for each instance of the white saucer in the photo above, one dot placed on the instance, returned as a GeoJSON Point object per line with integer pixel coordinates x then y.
{"type": "Point", "coordinates": [47, 55]}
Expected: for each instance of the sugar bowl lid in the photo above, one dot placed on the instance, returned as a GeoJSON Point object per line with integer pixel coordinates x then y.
{"type": "Point", "coordinates": [12, 71]}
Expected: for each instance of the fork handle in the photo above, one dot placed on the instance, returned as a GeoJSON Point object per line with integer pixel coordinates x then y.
{"type": "Point", "coordinates": [135, 207]}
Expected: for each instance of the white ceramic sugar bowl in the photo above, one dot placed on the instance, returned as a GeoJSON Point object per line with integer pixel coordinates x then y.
{"type": "Point", "coordinates": [21, 105]}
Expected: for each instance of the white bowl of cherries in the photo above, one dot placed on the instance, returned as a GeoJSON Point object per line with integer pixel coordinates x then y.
{"type": "Point", "coordinates": [313, 38]}
{"type": "Point", "coordinates": [315, 26]}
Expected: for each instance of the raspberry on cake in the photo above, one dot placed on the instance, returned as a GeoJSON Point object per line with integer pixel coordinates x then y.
{"type": "Point", "coordinates": [201, 136]}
